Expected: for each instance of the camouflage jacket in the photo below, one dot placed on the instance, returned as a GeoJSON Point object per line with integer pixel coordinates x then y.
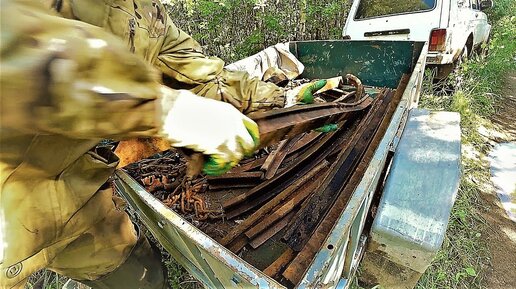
{"type": "Point", "coordinates": [64, 86]}
{"type": "Point", "coordinates": [149, 32]}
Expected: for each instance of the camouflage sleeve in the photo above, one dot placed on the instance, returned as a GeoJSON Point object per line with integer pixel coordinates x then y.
{"type": "Point", "coordinates": [186, 67]}
{"type": "Point", "coordinates": [66, 77]}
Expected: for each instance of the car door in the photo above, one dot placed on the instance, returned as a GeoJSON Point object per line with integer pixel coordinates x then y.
{"type": "Point", "coordinates": [464, 26]}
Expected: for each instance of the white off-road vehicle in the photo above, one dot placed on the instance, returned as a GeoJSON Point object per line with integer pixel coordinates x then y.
{"type": "Point", "coordinates": [453, 28]}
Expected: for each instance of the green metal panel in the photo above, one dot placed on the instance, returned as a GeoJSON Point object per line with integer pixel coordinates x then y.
{"type": "Point", "coordinates": [376, 63]}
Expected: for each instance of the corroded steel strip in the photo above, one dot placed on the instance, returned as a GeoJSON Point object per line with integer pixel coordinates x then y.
{"type": "Point", "coordinates": [235, 180]}
{"type": "Point", "coordinates": [277, 158]}
{"type": "Point", "coordinates": [251, 220]}
{"type": "Point", "coordinates": [249, 166]}
{"type": "Point", "coordinates": [307, 218]}
{"type": "Point", "coordinates": [270, 232]}
{"type": "Point", "coordinates": [287, 207]}
{"type": "Point", "coordinates": [278, 124]}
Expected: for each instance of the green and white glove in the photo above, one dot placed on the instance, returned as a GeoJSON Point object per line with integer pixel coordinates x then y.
{"type": "Point", "coordinates": [304, 93]}
{"type": "Point", "coordinates": [214, 128]}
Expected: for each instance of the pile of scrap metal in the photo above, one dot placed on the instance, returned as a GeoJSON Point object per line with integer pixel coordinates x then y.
{"type": "Point", "coordinates": [288, 196]}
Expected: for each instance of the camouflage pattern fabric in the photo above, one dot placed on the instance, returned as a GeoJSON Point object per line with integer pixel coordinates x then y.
{"type": "Point", "coordinates": [149, 32]}
{"type": "Point", "coordinates": [65, 85]}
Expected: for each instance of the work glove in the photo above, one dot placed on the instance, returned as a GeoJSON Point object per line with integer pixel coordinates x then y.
{"type": "Point", "coordinates": [303, 93]}
{"type": "Point", "coordinates": [331, 127]}
{"type": "Point", "coordinates": [214, 128]}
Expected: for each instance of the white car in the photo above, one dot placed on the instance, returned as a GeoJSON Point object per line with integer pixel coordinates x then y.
{"type": "Point", "coordinates": [453, 28]}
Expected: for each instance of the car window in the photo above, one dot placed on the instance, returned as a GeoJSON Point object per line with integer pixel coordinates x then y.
{"type": "Point", "coordinates": [378, 8]}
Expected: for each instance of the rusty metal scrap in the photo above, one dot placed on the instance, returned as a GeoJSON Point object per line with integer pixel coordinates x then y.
{"type": "Point", "coordinates": [279, 152]}
{"type": "Point", "coordinates": [360, 90]}
{"type": "Point", "coordinates": [238, 244]}
{"type": "Point", "coordinates": [248, 166]}
{"type": "Point", "coordinates": [282, 210]}
{"type": "Point", "coordinates": [276, 158]}
{"type": "Point", "coordinates": [262, 193]}
{"type": "Point", "coordinates": [235, 180]}
{"type": "Point", "coordinates": [307, 218]}
{"type": "Point", "coordinates": [295, 270]}
{"type": "Point", "coordinates": [278, 124]}
{"type": "Point", "coordinates": [265, 209]}
{"type": "Point", "coordinates": [302, 164]}
{"type": "Point", "coordinates": [257, 241]}
{"type": "Point", "coordinates": [302, 260]}
{"type": "Point", "coordinates": [165, 178]}
{"type": "Point", "coordinates": [280, 263]}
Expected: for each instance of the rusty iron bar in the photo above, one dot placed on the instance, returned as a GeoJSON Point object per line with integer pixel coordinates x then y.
{"type": "Point", "coordinates": [278, 156]}
{"type": "Point", "coordinates": [271, 232]}
{"type": "Point", "coordinates": [278, 124]}
{"type": "Point", "coordinates": [235, 180]}
{"type": "Point", "coordinates": [345, 96]}
{"type": "Point", "coordinates": [305, 141]}
{"type": "Point", "coordinates": [307, 218]}
{"type": "Point", "coordinates": [353, 80]}
{"type": "Point", "coordinates": [302, 165]}
{"type": "Point", "coordinates": [295, 270]}
{"type": "Point", "coordinates": [273, 269]}
{"type": "Point", "coordinates": [261, 212]}
{"type": "Point", "coordinates": [270, 158]}
{"type": "Point", "coordinates": [249, 166]}
{"type": "Point", "coordinates": [295, 200]}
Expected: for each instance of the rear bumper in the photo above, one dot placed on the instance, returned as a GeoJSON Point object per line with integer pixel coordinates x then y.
{"type": "Point", "coordinates": [438, 58]}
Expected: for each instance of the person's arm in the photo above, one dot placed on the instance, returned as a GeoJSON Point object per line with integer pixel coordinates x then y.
{"type": "Point", "coordinates": [185, 66]}
{"type": "Point", "coordinates": [66, 77]}
{"type": "Point", "coordinates": [61, 76]}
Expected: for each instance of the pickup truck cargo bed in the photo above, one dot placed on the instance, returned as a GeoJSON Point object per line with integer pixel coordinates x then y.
{"type": "Point", "coordinates": [376, 63]}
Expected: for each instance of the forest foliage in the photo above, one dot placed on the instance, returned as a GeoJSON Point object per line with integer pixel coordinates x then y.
{"type": "Point", "coordinates": [234, 29]}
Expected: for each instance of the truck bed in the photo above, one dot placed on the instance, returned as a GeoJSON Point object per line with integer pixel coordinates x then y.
{"type": "Point", "coordinates": [335, 258]}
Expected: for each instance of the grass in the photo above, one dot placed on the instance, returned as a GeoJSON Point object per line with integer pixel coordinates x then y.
{"type": "Point", "coordinates": [462, 261]}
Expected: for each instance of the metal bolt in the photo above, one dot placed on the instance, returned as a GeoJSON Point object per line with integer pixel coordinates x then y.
{"type": "Point", "coordinates": [235, 279]}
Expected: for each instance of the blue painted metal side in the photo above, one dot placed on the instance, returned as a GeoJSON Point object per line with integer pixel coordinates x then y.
{"type": "Point", "coordinates": [207, 260]}
{"type": "Point", "coordinates": [419, 193]}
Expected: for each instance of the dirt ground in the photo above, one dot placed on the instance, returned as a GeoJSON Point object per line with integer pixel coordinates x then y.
{"type": "Point", "coordinates": [500, 234]}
